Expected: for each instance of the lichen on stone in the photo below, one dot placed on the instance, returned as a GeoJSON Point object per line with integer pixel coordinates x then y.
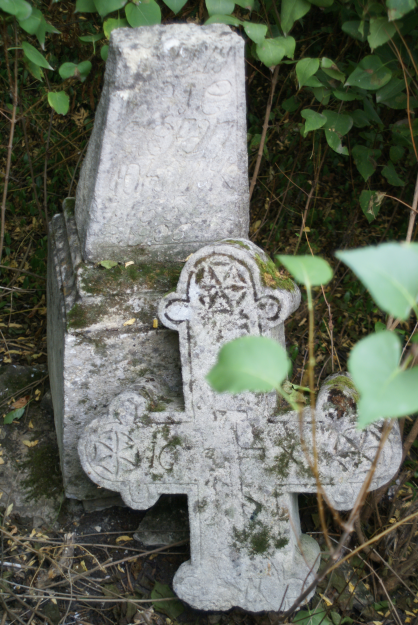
{"type": "Point", "coordinates": [272, 277]}
{"type": "Point", "coordinates": [237, 242]}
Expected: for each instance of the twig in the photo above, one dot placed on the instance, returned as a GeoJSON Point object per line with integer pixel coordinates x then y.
{"type": "Point", "coordinates": [28, 273]}
{"type": "Point", "coordinates": [11, 135]}
{"type": "Point", "coordinates": [265, 126]}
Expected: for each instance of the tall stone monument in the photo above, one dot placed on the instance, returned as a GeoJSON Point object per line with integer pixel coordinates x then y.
{"type": "Point", "coordinates": [165, 174]}
{"type": "Point", "coordinates": [240, 459]}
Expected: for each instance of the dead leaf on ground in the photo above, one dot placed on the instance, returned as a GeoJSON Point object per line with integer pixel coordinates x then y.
{"type": "Point", "coordinates": [129, 322]}
{"type": "Point", "coordinates": [20, 403]}
{"type": "Point", "coordinates": [30, 443]}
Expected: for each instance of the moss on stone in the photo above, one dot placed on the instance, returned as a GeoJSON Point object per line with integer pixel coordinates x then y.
{"type": "Point", "coordinates": [343, 383]}
{"type": "Point", "coordinates": [272, 277]}
{"type": "Point", "coordinates": [240, 243]}
{"type": "Point", "coordinates": [157, 276]}
{"type": "Point", "coordinates": [44, 474]}
{"type": "Point", "coordinates": [255, 538]}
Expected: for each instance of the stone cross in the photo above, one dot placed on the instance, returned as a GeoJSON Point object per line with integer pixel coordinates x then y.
{"type": "Point", "coordinates": [168, 149]}
{"type": "Point", "coordinates": [238, 458]}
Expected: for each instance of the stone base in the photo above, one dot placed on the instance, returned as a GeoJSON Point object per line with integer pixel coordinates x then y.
{"type": "Point", "coordinates": [167, 522]}
{"type": "Point", "coordinates": [92, 355]}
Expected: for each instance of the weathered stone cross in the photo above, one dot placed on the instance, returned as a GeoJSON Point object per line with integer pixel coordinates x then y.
{"type": "Point", "coordinates": [237, 458]}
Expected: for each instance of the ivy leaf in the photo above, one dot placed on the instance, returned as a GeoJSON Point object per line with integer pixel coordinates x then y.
{"type": "Point", "coordinates": [224, 19]}
{"type": "Point", "coordinates": [354, 29]}
{"type": "Point", "coordinates": [175, 5]}
{"type": "Point", "coordinates": [35, 70]}
{"type": "Point", "coordinates": [85, 6]}
{"type": "Point", "coordinates": [386, 391]}
{"type": "Point", "coordinates": [381, 30]}
{"type": "Point", "coordinates": [80, 71]}
{"type": "Point", "coordinates": [91, 38]}
{"type": "Point", "coordinates": [370, 74]}
{"type": "Point", "coordinates": [360, 118]}
{"type": "Point", "coordinates": [19, 8]}
{"type": "Point", "coordinates": [393, 87]}
{"type": "Point", "coordinates": [250, 363]}
{"type": "Point", "coordinates": [331, 69]}
{"type": "Point", "coordinates": [14, 414]}
{"type": "Point", "coordinates": [272, 51]}
{"type": "Point", "coordinates": [112, 24]}
{"type": "Point", "coordinates": [335, 143]}
{"type": "Point", "coordinates": [31, 23]}
{"type": "Point", "coordinates": [390, 272]}
{"type": "Point", "coordinates": [399, 8]}
{"type": "Point", "coordinates": [147, 13]}
{"type": "Point", "coordinates": [291, 11]}
{"type": "Point", "coordinates": [371, 111]}
{"type": "Point", "coordinates": [370, 202]}
{"type": "Point", "coordinates": [104, 7]}
{"type": "Point", "coordinates": [220, 7]}
{"type": "Point", "coordinates": [173, 608]}
{"type": "Point", "coordinates": [389, 172]}
{"type": "Point", "coordinates": [59, 101]}
{"type": "Point", "coordinates": [308, 270]}
{"type": "Point", "coordinates": [104, 52]}
{"type": "Point", "coordinates": [108, 264]}
{"type": "Point", "coordinates": [396, 153]}
{"type": "Point", "coordinates": [365, 160]}
{"type": "Point", "coordinates": [305, 69]}
{"type": "Point", "coordinates": [256, 32]}
{"type": "Point", "coordinates": [34, 55]}
{"type": "Point", "coordinates": [313, 119]}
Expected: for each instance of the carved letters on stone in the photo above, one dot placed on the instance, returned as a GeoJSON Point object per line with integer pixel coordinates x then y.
{"type": "Point", "coordinates": [238, 459]}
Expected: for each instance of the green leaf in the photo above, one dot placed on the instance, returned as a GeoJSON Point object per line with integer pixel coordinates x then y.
{"type": "Point", "coordinates": [147, 13]}
{"type": "Point", "coordinates": [220, 7]}
{"type": "Point", "coordinates": [19, 8]}
{"type": "Point", "coordinates": [85, 6]}
{"type": "Point", "coordinates": [250, 363]}
{"type": "Point", "coordinates": [224, 19]}
{"type": "Point", "coordinates": [246, 4]}
{"type": "Point", "coordinates": [370, 202]}
{"type": "Point", "coordinates": [313, 119]}
{"type": "Point", "coordinates": [35, 70]}
{"type": "Point", "coordinates": [108, 264]}
{"type": "Point", "coordinates": [321, 3]}
{"type": "Point", "coordinates": [335, 143]}
{"type": "Point", "coordinates": [59, 101]}
{"type": "Point", "coordinates": [396, 153]}
{"type": "Point", "coordinates": [338, 122]}
{"type": "Point", "coordinates": [104, 52]}
{"type": "Point", "coordinates": [291, 11]}
{"type": "Point", "coordinates": [175, 5]}
{"type": "Point", "coordinates": [370, 74]}
{"type": "Point", "coordinates": [394, 86]}
{"type": "Point", "coordinates": [365, 160]}
{"type": "Point", "coordinates": [305, 69]}
{"type": "Point", "coordinates": [379, 326]}
{"type": "Point", "coordinates": [371, 111]}
{"type": "Point", "coordinates": [331, 69]}
{"type": "Point", "coordinates": [104, 7]}
{"type": "Point", "coordinates": [360, 118]}
{"type": "Point", "coordinates": [381, 30]}
{"type": "Point", "coordinates": [291, 104]}
{"type": "Point", "coordinates": [390, 272]}
{"type": "Point", "coordinates": [322, 95]}
{"type": "Point", "coordinates": [389, 172]}
{"type": "Point", "coordinates": [385, 389]}
{"type": "Point", "coordinates": [352, 28]}
{"type": "Point", "coordinates": [399, 8]}
{"type": "Point", "coordinates": [256, 32]}
{"type": "Point", "coordinates": [172, 609]}
{"type": "Point", "coordinates": [271, 51]}
{"type": "Point", "coordinates": [347, 96]}
{"type": "Point", "coordinates": [308, 270]}
{"type": "Point", "coordinates": [33, 55]}
{"type": "Point", "coordinates": [31, 23]}
{"type": "Point", "coordinates": [80, 71]}
{"type": "Point", "coordinates": [112, 24]}
{"type": "Point", "coordinates": [92, 38]}
{"type": "Point", "coordinates": [313, 82]}
{"type": "Point", "coordinates": [312, 617]}
{"type": "Point", "coordinates": [14, 414]}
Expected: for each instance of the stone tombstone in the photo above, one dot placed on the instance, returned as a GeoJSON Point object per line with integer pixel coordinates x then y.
{"type": "Point", "coordinates": [168, 149]}
{"type": "Point", "coordinates": [238, 458]}
{"type": "Point", "coordinates": [165, 173]}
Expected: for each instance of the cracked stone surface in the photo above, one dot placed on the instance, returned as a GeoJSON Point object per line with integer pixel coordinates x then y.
{"type": "Point", "coordinates": [166, 167]}
{"type": "Point", "coordinates": [238, 458]}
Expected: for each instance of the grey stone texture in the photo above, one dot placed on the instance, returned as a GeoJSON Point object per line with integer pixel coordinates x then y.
{"type": "Point", "coordinates": [238, 458]}
{"type": "Point", "coordinates": [166, 167]}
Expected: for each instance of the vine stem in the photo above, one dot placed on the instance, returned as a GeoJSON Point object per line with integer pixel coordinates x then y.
{"type": "Point", "coordinates": [11, 135]}
{"type": "Point", "coordinates": [265, 126]}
